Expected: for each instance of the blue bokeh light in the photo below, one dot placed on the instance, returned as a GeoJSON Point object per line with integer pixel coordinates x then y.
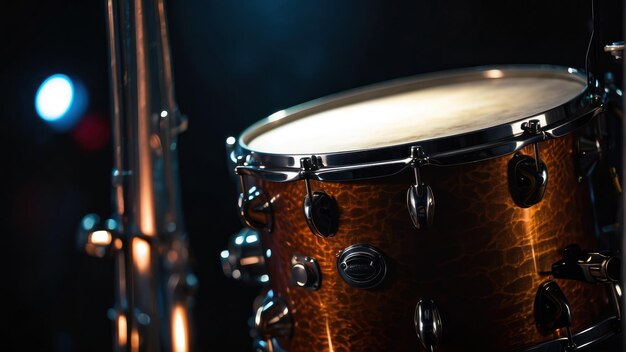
{"type": "Point", "coordinates": [54, 97]}
{"type": "Point", "coordinates": [60, 101]}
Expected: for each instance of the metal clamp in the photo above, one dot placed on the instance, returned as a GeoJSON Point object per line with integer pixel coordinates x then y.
{"type": "Point", "coordinates": [320, 210]}
{"type": "Point", "coordinates": [255, 209]}
{"type": "Point", "coordinates": [420, 200]}
{"type": "Point", "coordinates": [528, 177]}
{"type": "Point", "coordinates": [616, 49]}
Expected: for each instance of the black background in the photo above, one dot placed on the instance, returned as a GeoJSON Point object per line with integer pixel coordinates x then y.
{"type": "Point", "coordinates": [234, 62]}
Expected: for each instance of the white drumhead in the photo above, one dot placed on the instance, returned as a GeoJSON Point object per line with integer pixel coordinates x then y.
{"type": "Point", "coordinates": [421, 114]}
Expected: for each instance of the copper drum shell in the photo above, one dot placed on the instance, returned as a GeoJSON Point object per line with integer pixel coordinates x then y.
{"type": "Point", "coordinates": [481, 262]}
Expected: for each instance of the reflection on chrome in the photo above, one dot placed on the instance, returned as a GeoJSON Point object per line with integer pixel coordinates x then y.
{"type": "Point", "coordinates": [494, 74]}
{"type": "Point", "coordinates": [100, 238]}
{"type": "Point", "coordinates": [179, 329]}
{"type": "Point", "coordinates": [122, 327]}
{"type": "Point", "coordinates": [141, 254]}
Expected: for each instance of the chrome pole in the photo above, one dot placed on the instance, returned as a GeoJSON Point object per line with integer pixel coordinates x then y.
{"type": "Point", "coordinates": [153, 279]}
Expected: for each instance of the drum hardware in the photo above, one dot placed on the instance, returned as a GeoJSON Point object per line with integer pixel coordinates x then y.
{"type": "Point", "coordinates": [586, 266]}
{"type": "Point", "coordinates": [320, 209]}
{"type": "Point", "coordinates": [96, 238]}
{"type": "Point", "coordinates": [255, 209]}
{"type": "Point", "coordinates": [305, 272]}
{"type": "Point", "coordinates": [596, 333]}
{"type": "Point", "coordinates": [616, 49]}
{"type": "Point", "coordinates": [244, 259]}
{"type": "Point", "coordinates": [362, 266]}
{"type": "Point", "coordinates": [428, 324]}
{"type": "Point", "coordinates": [272, 318]}
{"type": "Point", "coordinates": [419, 197]}
{"type": "Point", "coordinates": [270, 345]}
{"type": "Point", "coordinates": [552, 311]}
{"type": "Point", "coordinates": [591, 267]}
{"type": "Point", "coordinates": [528, 177]}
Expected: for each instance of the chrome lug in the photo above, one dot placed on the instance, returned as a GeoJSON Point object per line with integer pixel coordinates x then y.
{"type": "Point", "coordinates": [244, 259]}
{"type": "Point", "coordinates": [272, 318]}
{"type": "Point", "coordinates": [428, 324]}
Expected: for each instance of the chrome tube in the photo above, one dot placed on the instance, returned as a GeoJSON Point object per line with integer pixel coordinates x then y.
{"type": "Point", "coordinates": [153, 279]}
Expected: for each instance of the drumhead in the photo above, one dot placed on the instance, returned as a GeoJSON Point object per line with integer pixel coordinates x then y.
{"type": "Point", "coordinates": [456, 113]}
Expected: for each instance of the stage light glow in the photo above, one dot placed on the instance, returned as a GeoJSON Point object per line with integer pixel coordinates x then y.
{"type": "Point", "coordinates": [61, 101]}
{"type": "Point", "coordinates": [54, 97]}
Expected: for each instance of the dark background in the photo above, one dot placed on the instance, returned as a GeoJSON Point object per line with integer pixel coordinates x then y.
{"type": "Point", "coordinates": [234, 62]}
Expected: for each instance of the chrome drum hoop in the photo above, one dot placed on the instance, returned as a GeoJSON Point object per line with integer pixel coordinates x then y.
{"type": "Point", "coordinates": [463, 148]}
{"type": "Point", "coordinates": [586, 338]}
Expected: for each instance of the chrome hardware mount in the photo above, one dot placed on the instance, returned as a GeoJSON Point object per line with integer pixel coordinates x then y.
{"type": "Point", "coordinates": [590, 267]}
{"type": "Point", "coordinates": [244, 259]}
{"type": "Point", "coordinates": [428, 324]}
{"type": "Point", "coordinates": [305, 272]}
{"type": "Point", "coordinates": [616, 49]}
{"type": "Point", "coordinates": [533, 127]}
{"type": "Point", "coordinates": [272, 318]}
{"type": "Point", "coordinates": [320, 210]}
{"type": "Point", "coordinates": [552, 311]}
{"type": "Point", "coordinates": [586, 266]}
{"type": "Point", "coordinates": [97, 238]}
{"type": "Point", "coordinates": [255, 209]}
{"type": "Point", "coordinates": [420, 200]}
{"type": "Point", "coordinates": [528, 177]}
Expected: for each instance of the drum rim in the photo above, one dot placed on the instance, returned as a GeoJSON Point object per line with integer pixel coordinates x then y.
{"type": "Point", "coordinates": [383, 161]}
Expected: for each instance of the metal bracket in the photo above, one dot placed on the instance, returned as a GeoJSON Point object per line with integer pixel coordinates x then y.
{"type": "Point", "coordinates": [616, 49]}
{"type": "Point", "coordinates": [320, 209]}
{"type": "Point", "coordinates": [528, 177]}
{"type": "Point", "coordinates": [255, 209]}
{"type": "Point", "coordinates": [420, 200]}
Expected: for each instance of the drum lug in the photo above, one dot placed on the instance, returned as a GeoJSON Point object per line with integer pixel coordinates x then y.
{"type": "Point", "coordinates": [244, 259]}
{"type": "Point", "coordinates": [552, 311]}
{"type": "Point", "coordinates": [428, 324]}
{"type": "Point", "coordinates": [420, 200]}
{"type": "Point", "coordinates": [272, 318]}
{"type": "Point", "coordinates": [255, 209]}
{"type": "Point", "coordinates": [528, 177]}
{"type": "Point", "coordinates": [320, 209]}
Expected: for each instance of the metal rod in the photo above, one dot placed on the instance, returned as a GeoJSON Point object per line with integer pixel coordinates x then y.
{"type": "Point", "coordinates": [152, 270]}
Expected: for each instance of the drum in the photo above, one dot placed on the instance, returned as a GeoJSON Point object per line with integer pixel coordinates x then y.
{"type": "Point", "coordinates": [441, 212]}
